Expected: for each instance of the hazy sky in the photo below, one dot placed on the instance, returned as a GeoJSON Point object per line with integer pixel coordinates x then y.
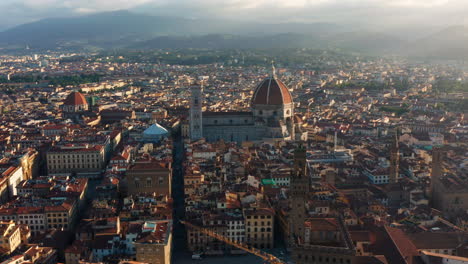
{"type": "Point", "coordinates": [378, 13]}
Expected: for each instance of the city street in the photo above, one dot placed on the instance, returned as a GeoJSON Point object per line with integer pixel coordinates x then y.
{"type": "Point", "coordinates": [180, 254]}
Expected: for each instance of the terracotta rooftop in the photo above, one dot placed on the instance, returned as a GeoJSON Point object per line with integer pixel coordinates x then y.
{"type": "Point", "coordinates": [322, 224]}
{"type": "Point", "coordinates": [75, 98]}
{"type": "Point", "coordinates": [271, 91]}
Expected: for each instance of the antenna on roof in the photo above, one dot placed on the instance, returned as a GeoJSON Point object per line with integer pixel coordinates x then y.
{"type": "Point", "coordinates": [273, 69]}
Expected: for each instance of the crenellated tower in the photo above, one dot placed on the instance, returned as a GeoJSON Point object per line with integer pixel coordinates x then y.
{"type": "Point", "coordinates": [196, 103]}
{"type": "Point", "coordinates": [394, 173]}
{"type": "Point", "coordinates": [298, 192]}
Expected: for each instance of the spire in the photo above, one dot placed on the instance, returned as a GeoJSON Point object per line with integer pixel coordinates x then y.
{"type": "Point", "coordinates": [273, 70]}
{"type": "Point", "coordinates": [395, 159]}
{"type": "Point", "coordinates": [397, 138]}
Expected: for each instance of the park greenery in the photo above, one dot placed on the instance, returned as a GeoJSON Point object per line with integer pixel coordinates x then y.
{"type": "Point", "coordinates": [310, 58]}
{"type": "Point", "coordinates": [449, 86]}
{"type": "Point", "coordinates": [53, 80]}
{"type": "Point", "coordinates": [399, 85]}
{"type": "Point", "coordinates": [397, 110]}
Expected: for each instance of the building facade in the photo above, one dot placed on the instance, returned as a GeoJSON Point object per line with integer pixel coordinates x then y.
{"type": "Point", "coordinates": [196, 104]}
{"type": "Point", "coordinates": [394, 172]}
{"type": "Point", "coordinates": [149, 177]}
{"type": "Point", "coordinates": [449, 192]}
{"type": "Point", "coordinates": [259, 224]}
{"type": "Point", "coordinates": [298, 192]}
{"type": "Point", "coordinates": [10, 236]}
{"type": "Point", "coordinates": [154, 244]}
{"type": "Point", "coordinates": [271, 117]}
{"type": "Point", "coordinates": [76, 159]}
{"type": "Point", "coordinates": [75, 103]}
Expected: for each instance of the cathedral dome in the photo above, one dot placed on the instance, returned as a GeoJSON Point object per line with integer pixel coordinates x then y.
{"type": "Point", "coordinates": [75, 98]}
{"type": "Point", "coordinates": [271, 91]}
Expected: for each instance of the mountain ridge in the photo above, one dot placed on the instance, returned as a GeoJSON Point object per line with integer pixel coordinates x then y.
{"type": "Point", "coordinates": [125, 29]}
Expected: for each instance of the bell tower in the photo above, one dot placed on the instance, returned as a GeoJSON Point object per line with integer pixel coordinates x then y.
{"type": "Point", "coordinates": [196, 120]}
{"type": "Point", "coordinates": [299, 190]}
{"type": "Point", "coordinates": [394, 172]}
{"type": "Point", "coordinates": [436, 170]}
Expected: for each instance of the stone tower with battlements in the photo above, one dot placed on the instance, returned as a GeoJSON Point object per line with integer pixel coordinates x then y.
{"type": "Point", "coordinates": [298, 193]}
{"type": "Point", "coordinates": [394, 172]}
{"type": "Point", "coordinates": [196, 119]}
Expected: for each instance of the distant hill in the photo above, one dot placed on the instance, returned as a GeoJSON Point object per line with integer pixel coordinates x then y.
{"type": "Point", "coordinates": [450, 43]}
{"type": "Point", "coordinates": [125, 29]}
{"type": "Point", "coordinates": [365, 42]}
{"type": "Point", "coordinates": [96, 28]}
{"type": "Point", "coordinates": [226, 41]}
{"type": "Point", "coordinates": [120, 28]}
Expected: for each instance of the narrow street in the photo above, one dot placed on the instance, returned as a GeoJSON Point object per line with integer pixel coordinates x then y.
{"type": "Point", "coordinates": [180, 254]}
{"type": "Point", "coordinates": [179, 245]}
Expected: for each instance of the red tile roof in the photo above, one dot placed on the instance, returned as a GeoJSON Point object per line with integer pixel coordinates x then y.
{"type": "Point", "coordinates": [271, 91]}
{"type": "Point", "coordinates": [75, 98]}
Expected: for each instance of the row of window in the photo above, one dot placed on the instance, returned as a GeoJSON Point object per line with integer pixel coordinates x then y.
{"type": "Point", "coordinates": [29, 216]}
{"type": "Point", "coordinates": [257, 217]}
{"type": "Point", "coordinates": [268, 229]}
{"type": "Point", "coordinates": [240, 226]}
{"type": "Point", "coordinates": [232, 121]}
{"type": "Point", "coordinates": [74, 161]}
{"type": "Point", "coordinates": [75, 166]}
{"type": "Point", "coordinates": [87, 155]}
{"type": "Point", "coordinates": [262, 223]}
{"type": "Point", "coordinates": [324, 259]}
{"type": "Point", "coordinates": [262, 236]}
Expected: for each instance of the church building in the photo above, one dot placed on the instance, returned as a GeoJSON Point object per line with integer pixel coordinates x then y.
{"type": "Point", "coordinates": [271, 117]}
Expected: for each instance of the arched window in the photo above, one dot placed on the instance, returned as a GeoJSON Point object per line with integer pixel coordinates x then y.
{"type": "Point", "coordinates": [288, 112]}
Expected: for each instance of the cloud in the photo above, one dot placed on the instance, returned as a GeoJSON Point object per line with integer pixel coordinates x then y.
{"type": "Point", "coordinates": [84, 10]}
{"type": "Point", "coordinates": [377, 12]}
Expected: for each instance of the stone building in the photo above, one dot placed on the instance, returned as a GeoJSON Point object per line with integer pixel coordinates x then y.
{"type": "Point", "coordinates": [298, 193]}
{"type": "Point", "coordinates": [259, 225]}
{"type": "Point", "coordinates": [80, 159]}
{"type": "Point", "coordinates": [394, 171]}
{"type": "Point", "coordinates": [10, 236]}
{"type": "Point", "coordinates": [271, 117]}
{"type": "Point", "coordinates": [74, 105]}
{"type": "Point", "coordinates": [314, 240]}
{"type": "Point", "coordinates": [449, 192]}
{"type": "Point", "coordinates": [109, 116]}
{"type": "Point", "coordinates": [326, 240]}
{"type": "Point", "coordinates": [149, 177]}
{"type": "Point", "coordinates": [154, 244]}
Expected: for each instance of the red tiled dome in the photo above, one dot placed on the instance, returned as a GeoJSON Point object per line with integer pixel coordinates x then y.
{"type": "Point", "coordinates": [271, 91]}
{"type": "Point", "coordinates": [75, 98]}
